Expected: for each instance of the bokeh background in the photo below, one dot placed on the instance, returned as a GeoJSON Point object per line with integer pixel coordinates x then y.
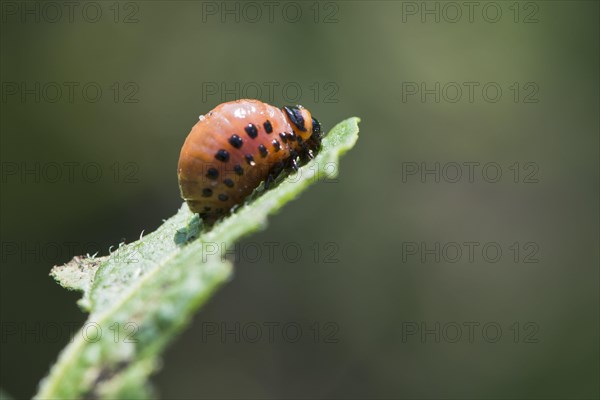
{"type": "Point", "coordinates": [160, 64]}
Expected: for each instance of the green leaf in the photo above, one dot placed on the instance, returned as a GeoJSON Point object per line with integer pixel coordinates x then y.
{"type": "Point", "coordinates": [144, 293]}
{"type": "Point", "coordinates": [4, 395]}
{"type": "Point", "coordinates": [78, 274]}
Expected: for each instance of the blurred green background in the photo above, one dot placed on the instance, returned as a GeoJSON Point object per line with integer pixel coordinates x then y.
{"type": "Point", "coordinates": [157, 64]}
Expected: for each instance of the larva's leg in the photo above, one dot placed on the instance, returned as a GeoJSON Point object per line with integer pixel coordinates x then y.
{"type": "Point", "coordinates": [292, 160]}
{"type": "Point", "coordinates": [294, 164]}
{"type": "Point", "coordinates": [307, 153]}
{"type": "Point", "coordinates": [273, 174]}
{"type": "Point", "coordinates": [270, 179]}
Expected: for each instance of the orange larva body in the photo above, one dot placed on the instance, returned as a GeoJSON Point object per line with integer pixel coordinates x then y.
{"type": "Point", "coordinates": [236, 146]}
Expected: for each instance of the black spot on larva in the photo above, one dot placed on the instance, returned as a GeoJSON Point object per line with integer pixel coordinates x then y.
{"type": "Point", "coordinates": [251, 131]}
{"type": "Point", "coordinates": [228, 182]}
{"type": "Point", "coordinates": [294, 115]}
{"type": "Point", "coordinates": [283, 137]}
{"type": "Point", "coordinates": [206, 192]}
{"type": "Point", "coordinates": [222, 155]}
{"type": "Point", "coordinates": [263, 150]}
{"type": "Point", "coordinates": [316, 131]}
{"type": "Point", "coordinates": [276, 145]}
{"type": "Point", "coordinates": [250, 159]}
{"type": "Point", "coordinates": [236, 141]}
{"type": "Point", "coordinates": [238, 169]}
{"type": "Point", "coordinates": [268, 126]}
{"type": "Point", "coordinates": [223, 197]}
{"type": "Point", "coordinates": [212, 173]}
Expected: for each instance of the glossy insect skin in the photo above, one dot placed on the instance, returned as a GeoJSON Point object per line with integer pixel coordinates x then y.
{"type": "Point", "coordinates": [235, 147]}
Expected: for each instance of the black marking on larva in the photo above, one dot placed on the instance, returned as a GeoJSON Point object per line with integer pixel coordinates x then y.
{"type": "Point", "coordinates": [212, 173]}
{"type": "Point", "coordinates": [223, 197]}
{"type": "Point", "coordinates": [228, 182]}
{"type": "Point", "coordinates": [206, 192]}
{"type": "Point", "coordinates": [222, 155]}
{"type": "Point", "coordinates": [263, 150]}
{"type": "Point", "coordinates": [251, 131]}
{"type": "Point", "coordinates": [250, 159]}
{"type": "Point", "coordinates": [268, 126]}
{"type": "Point", "coordinates": [238, 169]}
{"type": "Point", "coordinates": [276, 145]}
{"type": "Point", "coordinates": [296, 117]}
{"type": "Point", "coordinates": [236, 141]}
{"type": "Point", "coordinates": [316, 131]}
{"type": "Point", "coordinates": [283, 137]}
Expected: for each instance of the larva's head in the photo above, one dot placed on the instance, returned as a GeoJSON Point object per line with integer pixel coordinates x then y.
{"type": "Point", "coordinates": [302, 122]}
